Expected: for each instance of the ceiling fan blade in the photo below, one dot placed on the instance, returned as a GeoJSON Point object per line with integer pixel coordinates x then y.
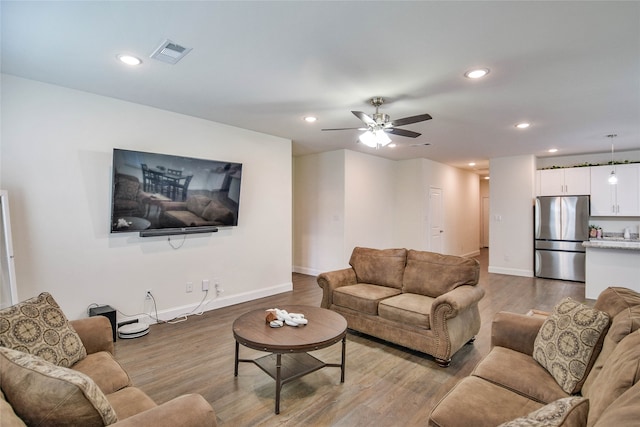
{"type": "Point", "coordinates": [366, 119]}
{"type": "Point", "coordinates": [346, 129]}
{"type": "Point", "coordinates": [412, 119]}
{"type": "Point", "coordinates": [403, 132]}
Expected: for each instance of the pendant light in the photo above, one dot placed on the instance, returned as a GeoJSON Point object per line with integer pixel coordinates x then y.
{"type": "Point", "coordinates": [613, 178]}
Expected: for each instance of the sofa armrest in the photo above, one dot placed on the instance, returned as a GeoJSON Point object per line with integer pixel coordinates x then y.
{"type": "Point", "coordinates": [95, 333]}
{"type": "Point", "coordinates": [186, 410]}
{"type": "Point", "coordinates": [515, 331]}
{"type": "Point", "coordinates": [332, 280]}
{"type": "Point", "coordinates": [449, 305]}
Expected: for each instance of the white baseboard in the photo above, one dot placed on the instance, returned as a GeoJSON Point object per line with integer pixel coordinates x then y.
{"type": "Point", "coordinates": [209, 304]}
{"type": "Point", "coordinates": [472, 254]}
{"type": "Point", "coordinates": [305, 270]}
{"type": "Point", "coordinates": [511, 271]}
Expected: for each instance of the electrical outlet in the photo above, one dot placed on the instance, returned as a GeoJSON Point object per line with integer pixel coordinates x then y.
{"type": "Point", "coordinates": [189, 287]}
{"type": "Point", "coordinates": [205, 285]}
{"type": "Point", "coordinates": [219, 289]}
{"type": "Point", "coordinates": [147, 294]}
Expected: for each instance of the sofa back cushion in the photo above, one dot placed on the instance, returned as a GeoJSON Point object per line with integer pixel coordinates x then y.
{"type": "Point", "coordinates": [433, 274]}
{"type": "Point", "coordinates": [384, 267]}
{"type": "Point", "coordinates": [197, 204]}
{"type": "Point", "coordinates": [38, 326]}
{"type": "Point", "coordinates": [624, 323]}
{"type": "Point", "coordinates": [619, 374]}
{"type": "Point", "coordinates": [44, 394]}
{"type": "Point", "coordinates": [218, 213]}
{"type": "Point", "coordinates": [615, 299]}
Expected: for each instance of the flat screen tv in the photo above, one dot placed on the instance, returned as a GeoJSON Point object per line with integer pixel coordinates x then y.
{"type": "Point", "coordinates": [160, 194]}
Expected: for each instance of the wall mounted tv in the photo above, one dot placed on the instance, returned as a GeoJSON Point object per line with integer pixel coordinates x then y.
{"type": "Point", "coordinates": [159, 194]}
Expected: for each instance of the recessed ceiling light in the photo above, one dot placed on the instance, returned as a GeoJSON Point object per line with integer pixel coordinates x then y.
{"type": "Point", "coordinates": [310, 119]}
{"type": "Point", "coordinates": [486, 177]}
{"type": "Point", "coordinates": [477, 73]}
{"type": "Point", "coordinates": [472, 164]}
{"type": "Point", "coordinates": [553, 150]}
{"type": "Point", "coordinates": [392, 145]}
{"type": "Point", "coordinates": [129, 59]}
{"type": "Point", "coordinates": [523, 125]}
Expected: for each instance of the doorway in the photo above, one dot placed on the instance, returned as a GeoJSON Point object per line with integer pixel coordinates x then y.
{"type": "Point", "coordinates": [484, 238]}
{"type": "Point", "coordinates": [436, 226]}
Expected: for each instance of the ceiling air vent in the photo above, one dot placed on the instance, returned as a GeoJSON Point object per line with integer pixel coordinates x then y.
{"type": "Point", "coordinates": [170, 52]}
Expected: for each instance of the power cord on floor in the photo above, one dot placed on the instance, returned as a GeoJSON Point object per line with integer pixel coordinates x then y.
{"type": "Point", "coordinates": [178, 319]}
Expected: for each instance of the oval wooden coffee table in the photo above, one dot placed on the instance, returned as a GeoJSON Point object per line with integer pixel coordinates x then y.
{"type": "Point", "coordinates": [289, 345]}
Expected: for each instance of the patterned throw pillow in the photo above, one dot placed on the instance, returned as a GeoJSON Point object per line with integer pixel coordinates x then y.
{"type": "Point", "coordinates": [38, 326]}
{"type": "Point", "coordinates": [569, 342]}
{"type": "Point", "coordinates": [42, 393]}
{"type": "Point", "coordinates": [565, 411]}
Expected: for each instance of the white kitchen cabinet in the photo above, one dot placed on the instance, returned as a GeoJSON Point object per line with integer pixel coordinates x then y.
{"type": "Point", "coordinates": [622, 199]}
{"type": "Point", "coordinates": [564, 182]}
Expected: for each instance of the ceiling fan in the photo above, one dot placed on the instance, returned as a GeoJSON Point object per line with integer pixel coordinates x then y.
{"type": "Point", "coordinates": [380, 125]}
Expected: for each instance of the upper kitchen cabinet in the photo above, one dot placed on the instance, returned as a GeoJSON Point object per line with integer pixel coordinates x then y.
{"type": "Point", "coordinates": [622, 199]}
{"type": "Point", "coordinates": [564, 182]}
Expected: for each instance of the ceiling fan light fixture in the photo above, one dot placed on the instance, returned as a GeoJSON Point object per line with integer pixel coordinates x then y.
{"type": "Point", "coordinates": [477, 73]}
{"type": "Point", "coordinates": [375, 139]}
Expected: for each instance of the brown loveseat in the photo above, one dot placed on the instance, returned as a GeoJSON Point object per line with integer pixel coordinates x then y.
{"type": "Point", "coordinates": [55, 372]}
{"type": "Point", "coordinates": [421, 300]}
{"type": "Point", "coordinates": [510, 386]}
{"type": "Point", "coordinates": [197, 211]}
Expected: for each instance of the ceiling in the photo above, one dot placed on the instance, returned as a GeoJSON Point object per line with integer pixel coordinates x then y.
{"type": "Point", "coordinates": [571, 69]}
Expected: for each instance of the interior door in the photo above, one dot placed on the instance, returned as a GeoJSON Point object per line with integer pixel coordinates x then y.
{"type": "Point", "coordinates": [436, 226]}
{"type": "Point", "coordinates": [485, 222]}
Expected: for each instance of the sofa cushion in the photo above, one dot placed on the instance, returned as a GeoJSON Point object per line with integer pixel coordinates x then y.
{"type": "Point", "coordinates": [197, 204]}
{"type": "Point", "coordinates": [479, 403]}
{"type": "Point", "coordinates": [384, 267]}
{"type": "Point", "coordinates": [624, 323]}
{"type": "Point", "coordinates": [38, 326]}
{"type": "Point", "coordinates": [615, 299]}
{"type": "Point", "coordinates": [567, 412]}
{"type": "Point", "coordinates": [217, 212]}
{"type": "Point", "coordinates": [569, 341]}
{"type": "Point", "coordinates": [105, 371]}
{"type": "Point", "coordinates": [619, 374]}
{"type": "Point", "coordinates": [409, 309]}
{"type": "Point", "coordinates": [129, 402]}
{"type": "Point", "coordinates": [518, 372]}
{"type": "Point", "coordinates": [42, 393]}
{"type": "Point", "coordinates": [362, 297]}
{"type": "Point", "coordinates": [8, 417]}
{"type": "Point", "coordinates": [624, 411]}
{"type": "Point", "coordinates": [433, 274]}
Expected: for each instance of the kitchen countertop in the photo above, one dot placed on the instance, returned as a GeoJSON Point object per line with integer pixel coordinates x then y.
{"type": "Point", "coordinates": [613, 243]}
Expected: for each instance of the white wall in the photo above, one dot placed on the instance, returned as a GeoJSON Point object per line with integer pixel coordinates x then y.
{"type": "Point", "coordinates": [319, 206]}
{"type": "Point", "coordinates": [512, 195]}
{"type": "Point", "coordinates": [369, 202]}
{"type": "Point", "coordinates": [384, 205]}
{"type": "Point", "coordinates": [56, 164]}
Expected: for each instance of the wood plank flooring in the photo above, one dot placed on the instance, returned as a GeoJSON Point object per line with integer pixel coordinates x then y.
{"type": "Point", "coordinates": [385, 384]}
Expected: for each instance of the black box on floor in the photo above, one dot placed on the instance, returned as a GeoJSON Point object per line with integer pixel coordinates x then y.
{"type": "Point", "coordinates": [108, 312]}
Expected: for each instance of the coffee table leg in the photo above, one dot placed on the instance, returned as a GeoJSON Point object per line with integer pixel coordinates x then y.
{"type": "Point", "coordinates": [278, 381]}
{"type": "Point", "coordinates": [344, 355]}
{"type": "Point", "coordinates": [235, 372]}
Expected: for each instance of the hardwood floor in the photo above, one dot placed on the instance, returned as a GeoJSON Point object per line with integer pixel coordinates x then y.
{"type": "Point", "coordinates": [385, 384]}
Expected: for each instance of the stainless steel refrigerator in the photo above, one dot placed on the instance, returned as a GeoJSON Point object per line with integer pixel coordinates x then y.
{"type": "Point", "coordinates": [561, 225]}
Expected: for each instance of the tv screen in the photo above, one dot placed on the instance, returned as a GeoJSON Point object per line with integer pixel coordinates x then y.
{"type": "Point", "coordinates": [163, 192]}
